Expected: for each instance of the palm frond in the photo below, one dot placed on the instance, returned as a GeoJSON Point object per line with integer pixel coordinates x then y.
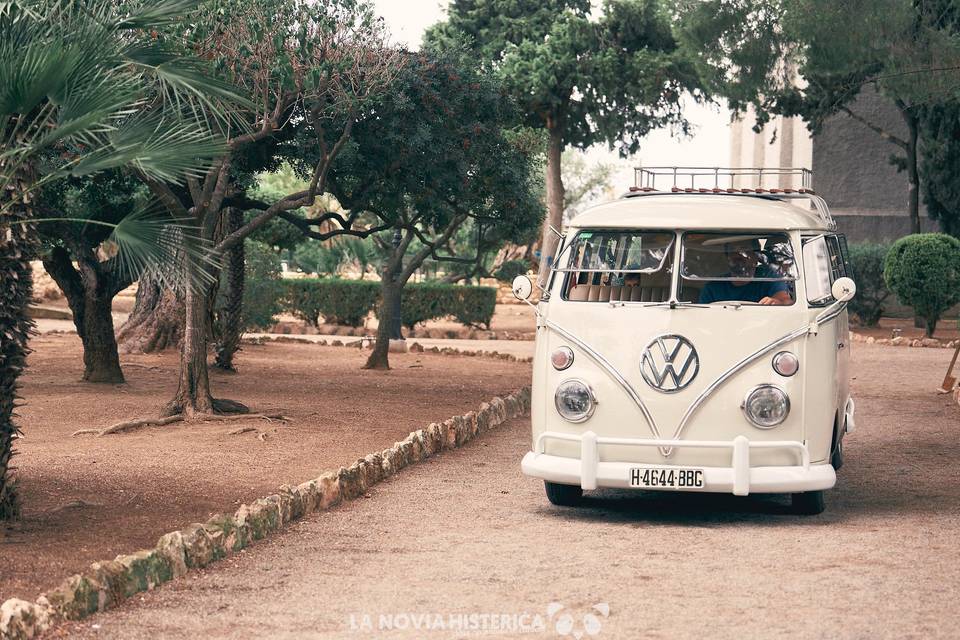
{"type": "Point", "coordinates": [149, 241]}
{"type": "Point", "coordinates": [189, 84]}
{"type": "Point", "coordinates": [154, 14]}
{"type": "Point", "coordinates": [165, 149]}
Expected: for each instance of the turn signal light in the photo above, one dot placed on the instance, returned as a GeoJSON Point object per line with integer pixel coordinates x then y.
{"type": "Point", "coordinates": [561, 358]}
{"type": "Point", "coordinates": [786, 363]}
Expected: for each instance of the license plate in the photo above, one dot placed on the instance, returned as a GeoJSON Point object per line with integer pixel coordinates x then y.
{"type": "Point", "coordinates": [666, 478]}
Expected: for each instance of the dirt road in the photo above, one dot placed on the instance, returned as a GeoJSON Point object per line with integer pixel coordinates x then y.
{"type": "Point", "coordinates": [466, 534]}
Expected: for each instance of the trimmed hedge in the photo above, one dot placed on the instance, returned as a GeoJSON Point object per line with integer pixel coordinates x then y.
{"type": "Point", "coordinates": [924, 271]}
{"type": "Point", "coordinates": [872, 293]}
{"type": "Point", "coordinates": [338, 301]}
{"type": "Point", "coordinates": [349, 301]}
{"type": "Point", "coordinates": [470, 306]}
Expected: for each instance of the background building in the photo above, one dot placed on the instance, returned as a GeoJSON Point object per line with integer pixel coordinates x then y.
{"type": "Point", "coordinates": [851, 170]}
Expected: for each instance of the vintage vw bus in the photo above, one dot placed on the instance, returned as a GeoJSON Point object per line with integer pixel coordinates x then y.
{"type": "Point", "coordinates": [694, 339]}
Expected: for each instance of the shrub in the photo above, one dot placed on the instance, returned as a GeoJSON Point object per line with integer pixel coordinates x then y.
{"type": "Point", "coordinates": [470, 306]}
{"type": "Point", "coordinates": [924, 271]}
{"type": "Point", "coordinates": [872, 291]}
{"type": "Point", "coordinates": [338, 301]}
{"type": "Point", "coordinates": [262, 287]}
{"type": "Point", "coordinates": [511, 269]}
{"type": "Point", "coordinates": [348, 301]}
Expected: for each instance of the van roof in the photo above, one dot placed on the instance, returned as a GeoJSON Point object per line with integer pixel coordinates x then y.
{"type": "Point", "coordinates": [665, 210]}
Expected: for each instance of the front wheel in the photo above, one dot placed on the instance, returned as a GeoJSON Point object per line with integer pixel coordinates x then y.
{"type": "Point", "coordinates": [808, 503]}
{"type": "Point", "coordinates": [563, 495]}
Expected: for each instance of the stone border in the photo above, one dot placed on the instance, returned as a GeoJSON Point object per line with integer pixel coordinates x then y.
{"type": "Point", "coordinates": [414, 347]}
{"type": "Point", "coordinates": [105, 584]}
{"type": "Point", "coordinates": [901, 341]}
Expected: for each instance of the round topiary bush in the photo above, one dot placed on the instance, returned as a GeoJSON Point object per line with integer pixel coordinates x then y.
{"type": "Point", "coordinates": [511, 269]}
{"type": "Point", "coordinates": [923, 270]}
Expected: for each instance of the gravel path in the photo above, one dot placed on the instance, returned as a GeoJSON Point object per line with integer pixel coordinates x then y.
{"type": "Point", "coordinates": [465, 534]}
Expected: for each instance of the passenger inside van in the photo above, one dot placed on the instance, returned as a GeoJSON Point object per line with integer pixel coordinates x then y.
{"type": "Point", "coordinates": [743, 260]}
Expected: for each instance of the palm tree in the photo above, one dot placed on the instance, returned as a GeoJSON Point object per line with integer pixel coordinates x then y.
{"type": "Point", "coordinates": [87, 85]}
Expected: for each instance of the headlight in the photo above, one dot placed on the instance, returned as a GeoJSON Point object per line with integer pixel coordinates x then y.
{"type": "Point", "coordinates": [574, 400]}
{"type": "Point", "coordinates": [561, 358]}
{"type": "Point", "coordinates": [766, 406]}
{"type": "Point", "coordinates": [786, 363]}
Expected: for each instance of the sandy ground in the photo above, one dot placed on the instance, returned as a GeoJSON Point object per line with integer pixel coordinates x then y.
{"type": "Point", "coordinates": [465, 533]}
{"type": "Point", "coordinates": [88, 498]}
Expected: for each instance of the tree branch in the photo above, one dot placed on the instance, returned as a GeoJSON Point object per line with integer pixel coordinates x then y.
{"type": "Point", "coordinates": [900, 142]}
{"type": "Point", "coordinates": [427, 250]}
{"type": "Point", "coordinates": [165, 194]}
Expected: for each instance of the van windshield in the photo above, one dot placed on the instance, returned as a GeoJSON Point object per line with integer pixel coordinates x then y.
{"type": "Point", "coordinates": [738, 267]}
{"type": "Point", "coordinates": [610, 266]}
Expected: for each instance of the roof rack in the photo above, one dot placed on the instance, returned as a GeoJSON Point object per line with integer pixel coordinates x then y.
{"type": "Point", "coordinates": [709, 179]}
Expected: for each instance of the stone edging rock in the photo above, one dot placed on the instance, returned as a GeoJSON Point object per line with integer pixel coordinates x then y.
{"type": "Point", "coordinates": [414, 347]}
{"type": "Point", "coordinates": [106, 584]}
{"type": "Point", "coordinates": [901, 341]}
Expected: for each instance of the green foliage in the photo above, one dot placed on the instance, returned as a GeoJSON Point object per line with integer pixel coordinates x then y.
{"type": "Point", "coordinates": [470, 306]}
{"type": "Point", "coordinates": [349, 301]}
{"type": "Point", "coordinates": [75, 78]}
{"type": "Point", "coordinates": [333, 257]}
{"type": "Point", "coordinates": [607, 76]}
{"type": "Point", "coordinates": [940, 156]}
{"type": "Point", "coordinates": [867, 261]}
{"type": "Point", "coordinates": [923, 270]}
{"type": "Point", "coordinates": [511, 269]}
{"type": "Point", "coordinates": [338, 301]}
{"type": "Point", "coordinates": [263, 289]}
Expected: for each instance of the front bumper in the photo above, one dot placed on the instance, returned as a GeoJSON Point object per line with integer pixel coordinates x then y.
{"type": "Point", "coordinates": [739, 478]}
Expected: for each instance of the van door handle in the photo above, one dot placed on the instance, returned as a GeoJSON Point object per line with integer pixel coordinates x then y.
{"type": "Point", "coordinates": [840, 345]}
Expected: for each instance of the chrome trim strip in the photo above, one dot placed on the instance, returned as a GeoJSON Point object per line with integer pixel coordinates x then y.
{"type": "Point", "coordinates": [611, 371]}
{"type": "Point", "coordinates": [726, 375]}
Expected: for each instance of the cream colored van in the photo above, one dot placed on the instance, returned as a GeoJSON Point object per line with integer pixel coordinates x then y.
{"type": "Point", "coordinates": [695, 339]}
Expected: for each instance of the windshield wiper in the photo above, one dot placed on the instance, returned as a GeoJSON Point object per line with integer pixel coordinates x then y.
{"type": "Point", "coordinates": [675, 304]}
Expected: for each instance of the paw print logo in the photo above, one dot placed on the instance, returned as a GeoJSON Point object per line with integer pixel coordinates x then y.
{"type": "Point", "coordinates": [565, 622]}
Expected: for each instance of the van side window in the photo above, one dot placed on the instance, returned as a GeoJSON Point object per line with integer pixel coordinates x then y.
{"type": "Point", "coordinates": [823, 263]}
{"type": "Point", "coordinates": [619, 266]}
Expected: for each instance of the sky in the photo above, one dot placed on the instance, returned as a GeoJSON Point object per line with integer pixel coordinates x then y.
{"type": "Point", "coordinates": [709, 145]}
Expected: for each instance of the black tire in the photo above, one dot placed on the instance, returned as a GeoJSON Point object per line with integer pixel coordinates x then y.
{"type": "Point", "coordinates": [808, 503]}
{"type": "Point", "coordinates": [563, 495]}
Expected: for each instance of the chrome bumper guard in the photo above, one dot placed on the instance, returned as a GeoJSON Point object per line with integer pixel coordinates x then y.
{"type": "Point", "coordinates": [739, 478]}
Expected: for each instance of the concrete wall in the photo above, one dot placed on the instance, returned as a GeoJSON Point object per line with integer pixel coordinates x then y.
{"type": "Point", "coordinates": [866, 193]}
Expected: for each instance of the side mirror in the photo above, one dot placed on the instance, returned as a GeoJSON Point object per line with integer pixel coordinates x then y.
{"type": "Point", "coordinates": [522, 287]}
{"type": "Point", "coordinates": [843, 289]}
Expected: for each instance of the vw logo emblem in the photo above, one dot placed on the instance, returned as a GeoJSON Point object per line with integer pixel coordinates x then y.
{"type": "Point", "coordinates": [669, 363]}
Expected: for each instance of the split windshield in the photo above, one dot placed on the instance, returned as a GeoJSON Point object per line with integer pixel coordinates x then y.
{"type": "Point", "coordinates": [717, 267]}
{"type": "Point", "coordinates": [738, 267]}
{"type": "Point", "coordinates": [610, 266]}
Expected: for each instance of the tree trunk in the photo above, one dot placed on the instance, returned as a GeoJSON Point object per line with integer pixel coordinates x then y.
{"type": "Point", "coordinates": [913, 173]}
{"type": "Point", "coordinates": [101, 361]}
{"type": "Point", "coordinates": [193, 395]}
{"type": "Point", "coordinates": [156, 321]}
{"type": "Point", "coordinates": [90, 294]}
{"type": "Point", "coordinates": [17, 246]}
{"type": "Point", "coordinates": [231, 316]}
{"type": "Point", "coordinates": [390, 292]}
{"type": "Point", "coordinates": [548, 239]}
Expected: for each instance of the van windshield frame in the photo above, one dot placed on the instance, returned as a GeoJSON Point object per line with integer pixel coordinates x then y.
{"type": "Point", "coordinates": [613, 258]}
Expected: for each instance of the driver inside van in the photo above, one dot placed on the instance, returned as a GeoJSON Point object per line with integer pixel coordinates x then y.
{"type": "Point", "coordinates": [743, 261]}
